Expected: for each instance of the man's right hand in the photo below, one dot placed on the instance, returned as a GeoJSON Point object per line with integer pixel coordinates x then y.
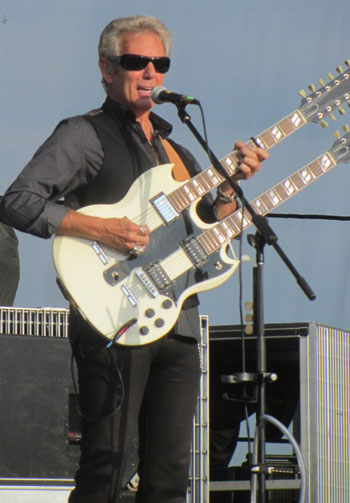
{"type": "Point", "coordinates": [119, 233]}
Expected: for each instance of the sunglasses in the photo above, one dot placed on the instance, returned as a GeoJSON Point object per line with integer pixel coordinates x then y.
{"type": "Point", "coordinates": [134, 62]}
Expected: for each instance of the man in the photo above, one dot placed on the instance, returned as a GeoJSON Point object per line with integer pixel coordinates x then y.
{"type": "Point", "coordinates": [94, 159]}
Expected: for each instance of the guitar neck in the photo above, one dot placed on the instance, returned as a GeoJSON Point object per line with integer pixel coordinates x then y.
{"type": "Point", "coordinates": [207, 180]}
{"type": "Point", "coordinates": [212, 239]}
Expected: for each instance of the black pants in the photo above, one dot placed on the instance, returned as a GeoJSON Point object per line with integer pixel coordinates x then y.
{"type": "Point", "coordinates": [157, 387]}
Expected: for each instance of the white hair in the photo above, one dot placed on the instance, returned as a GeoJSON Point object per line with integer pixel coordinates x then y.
{"type": "Point", "coordinates": [110, 40]}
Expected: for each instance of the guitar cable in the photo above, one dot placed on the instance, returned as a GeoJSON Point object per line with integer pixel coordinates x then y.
{"type": "Point", "coordinates": [122, 331]}
{"type": "Point", "coordinates": [114, 477]}
{"type": "Point", "coordinates": [119, 378]}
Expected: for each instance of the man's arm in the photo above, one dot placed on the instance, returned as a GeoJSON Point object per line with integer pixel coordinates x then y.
{"type": "Point", "coordinates": [70, 157]}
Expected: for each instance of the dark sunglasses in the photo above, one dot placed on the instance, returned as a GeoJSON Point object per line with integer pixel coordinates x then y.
{"type": "Point", "coordinates": [133, 62]}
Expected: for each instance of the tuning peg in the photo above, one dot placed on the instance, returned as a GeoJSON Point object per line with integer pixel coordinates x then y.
{"type": "Point", "coordinates": [346, 128]}
{"type": "Point", "coordinates": [339, 69]}
{"type": "Point", "coordinates": [341, 111]}
{"type": "Point", "coordinates": [337, 134]}
{"type": "Point", "coordinates": [322, 82]}
{"type": "Point", "coordinates": [332, 116]}
{"type": "Point", "coordinates": [323, 123]}
{"type": "Point", "coordinates": [348, 103]}
{"type": "Point", "coordinates": [302, 93]}
{"type": "Point", "coordinates": [347, 62]}
{"type": "Point", "coordinates": [330, 76]}
{"type": "Point", "coordinates": [248, 318]}
{"type": "Point", "coordinates": [312, 87]}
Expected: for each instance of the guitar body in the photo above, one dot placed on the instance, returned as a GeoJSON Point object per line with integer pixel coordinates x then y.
{"type": "Point", "coordinates": [107, 286]}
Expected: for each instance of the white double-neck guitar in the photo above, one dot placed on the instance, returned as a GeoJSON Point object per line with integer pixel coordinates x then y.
{"type": "Point", "coordinates": [134, 298]}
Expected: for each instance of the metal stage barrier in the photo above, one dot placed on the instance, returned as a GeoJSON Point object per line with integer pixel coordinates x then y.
{"type": "Point", "coordinates": [316, 358]}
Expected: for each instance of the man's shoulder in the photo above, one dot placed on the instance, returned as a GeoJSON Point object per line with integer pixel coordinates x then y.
{"type": "Point", "coordinates": [81, 120]}
{"type": "Point", "coordinates": [77, 126]}
{"type": "Point", "coordinates": [93, 113]}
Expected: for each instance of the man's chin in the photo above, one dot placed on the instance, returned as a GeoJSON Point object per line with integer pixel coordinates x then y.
{"type": "Point", "coordinates": [144, 103]}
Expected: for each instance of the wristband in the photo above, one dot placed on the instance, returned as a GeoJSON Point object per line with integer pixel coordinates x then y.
{"type": "Point", "coordinates": [224, 197]}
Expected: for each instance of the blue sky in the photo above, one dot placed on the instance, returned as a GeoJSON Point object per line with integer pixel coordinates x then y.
{"type": "Point", "coordinates": [246, 61]}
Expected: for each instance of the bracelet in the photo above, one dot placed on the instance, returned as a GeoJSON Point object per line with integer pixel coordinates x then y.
{"type": "Point", "coordinates": [220, 194]}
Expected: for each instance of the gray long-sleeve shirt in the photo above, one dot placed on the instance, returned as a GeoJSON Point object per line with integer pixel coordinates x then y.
{"type": "Point", "coordinates": [70, 157]}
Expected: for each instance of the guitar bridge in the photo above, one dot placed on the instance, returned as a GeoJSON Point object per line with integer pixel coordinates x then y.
{"type": "Point", "coordinates": [143, 277]}
{"type": "Point", "coordinates": [195, 251]}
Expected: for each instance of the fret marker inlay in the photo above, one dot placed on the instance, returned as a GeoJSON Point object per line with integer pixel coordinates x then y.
{"type": "Point", "coordinates": [296, 120]}
{"type": "Point", "coordinates": [277, 133]}
{"type": "Point", "coordinates": [289, 187]}
{"type": "Point", "coordinates": [274, 197]}
{"type": "Point", "coordinates": [306, 176]}
{"type": "Point", "coordinates": [326, 163]}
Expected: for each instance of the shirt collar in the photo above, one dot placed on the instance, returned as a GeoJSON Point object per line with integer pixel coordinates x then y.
{"type": "Point", "coordinates": [160, 125]}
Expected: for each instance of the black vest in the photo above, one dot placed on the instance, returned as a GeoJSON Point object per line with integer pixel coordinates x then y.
{"type": "Point", "coordinates": [123, 162]}
{"type": "Point", "coordinates": [125, 158]}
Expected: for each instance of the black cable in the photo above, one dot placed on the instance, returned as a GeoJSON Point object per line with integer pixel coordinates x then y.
{"type": "Point", "coordinates": [301, 216]}
{"type": "Point", "coordinates": [205, 134]}
{"type": "Point", "coordinates": [118, 374]}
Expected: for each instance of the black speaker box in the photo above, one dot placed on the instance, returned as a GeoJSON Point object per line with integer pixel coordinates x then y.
{"type": "Point", "coordinates": [39, 418]}
{"type": "Point", "coordinates": [37, 405]}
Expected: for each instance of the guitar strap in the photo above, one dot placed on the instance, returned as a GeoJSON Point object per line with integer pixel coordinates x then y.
{"type": "Point", "coordinates": [180, 172]}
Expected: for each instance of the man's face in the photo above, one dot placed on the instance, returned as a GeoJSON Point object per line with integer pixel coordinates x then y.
{"type": "Point", "coordinates": [133, 88]}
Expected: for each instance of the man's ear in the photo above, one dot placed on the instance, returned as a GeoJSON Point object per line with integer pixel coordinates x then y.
{"type": "Point", "coordinates": [106, 70]}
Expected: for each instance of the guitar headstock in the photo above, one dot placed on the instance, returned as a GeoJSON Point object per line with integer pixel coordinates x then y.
{"type": "Point", "coordinates": [340, 149]}
{"type": "Point", "coordinates": [328, 99]}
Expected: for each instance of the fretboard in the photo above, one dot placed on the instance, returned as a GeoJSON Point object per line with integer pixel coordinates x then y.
{"type": "Point", "coordinates": [231, 226]}
{"type": "Point", "coordinates": [207, 180]}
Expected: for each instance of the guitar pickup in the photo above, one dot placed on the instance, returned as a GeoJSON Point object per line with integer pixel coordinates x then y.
{"type": "Point", "coordinates": [164, 207]}
{"type": "Point", "coordinates": [194, 251]}
{"type": "Point", "coordinates": [158, 275]}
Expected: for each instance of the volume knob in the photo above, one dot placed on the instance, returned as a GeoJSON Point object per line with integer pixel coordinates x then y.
{"type": "Point", "coordinates": [159, 323]}
{"type": "Point", "coordinates": [144, 330]}
{"type": "Point", "coordinates": [167, 304]}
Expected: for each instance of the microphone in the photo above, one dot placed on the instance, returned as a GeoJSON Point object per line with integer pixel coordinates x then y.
{"type": "Point", "coordinates": [161, 95]}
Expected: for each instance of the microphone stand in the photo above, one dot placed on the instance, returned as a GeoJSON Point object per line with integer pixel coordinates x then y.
{"type": "Point", "coordinates": [264, 235]}
{"type": "Point", "coordinates": [259, 469]}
